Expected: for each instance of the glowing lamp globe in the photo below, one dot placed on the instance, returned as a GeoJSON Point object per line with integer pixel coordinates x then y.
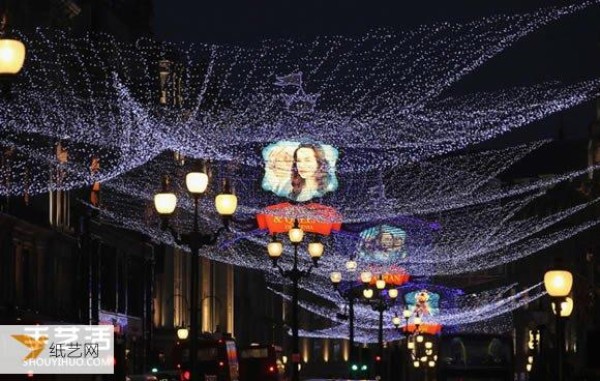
{"type": "Point", "coordinates": [428, 344]}
{"type": "Point", "coordinates": [431, 364]}
{"type": "Point", "coordinates": [417, 320]}
{"type": "Point", "coordinates": [416, 364]}
{"type": "Point", "coordinates": [335, 277]}
{"type": "Point", "coordinates": [558, 283]}
{"type": "Point", "coordinates": [406, 313]}
{"type": "Point", "coordinates": [380, 284]}
{"type": "Point", "coordinates": [275, 249]}
{"type": "Point", "coordinates": [351, 265]}
{"type": "Point", "coordinates": [196, 182]}
{"type": "Point", "coordinates": [165, 203]}
{"type": "Point", "coordinates": [366, 276]}
{"type": "Point", "coordinates": [12, 56]}
{"type": "Point", "coordinates": [393, 293]}
{"type": "Point", "coordinates": [396, 321]}
{"type": "Point", "coordinates": [315, 249]}
{"type": "Point", "coordinates": [226, 204]}
{"type": "Point", "coordinates": [420, 339]}
{"type": "Point", "coordinates": [566, 307]}
{"type": "Point", "coordinates": [368, 293]}
{"type": "Point", "coordinates": [296, 234]}
{"type": "Point", "coordinates": [183, 333]}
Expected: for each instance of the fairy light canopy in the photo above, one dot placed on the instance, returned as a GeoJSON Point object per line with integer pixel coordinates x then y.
{"type": "Point", "coordinates": [370, 122]}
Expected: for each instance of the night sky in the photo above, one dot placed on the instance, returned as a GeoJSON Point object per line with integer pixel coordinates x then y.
{"type": "Point", "coordinates": [567, 50]}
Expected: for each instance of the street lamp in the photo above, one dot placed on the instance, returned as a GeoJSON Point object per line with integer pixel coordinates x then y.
{"type": "Point", "coordinates": [12, 57]}
{"type": "Point", "coordinates": [558, 283]}
{"type": "Point", "coordinates": [405, 347]}
{"type": "Point", "coordinates": [12, 51]}
{"type": "Point", "coordinates": [421, 344]}
{"type": "Point", "coordinates": [349, 293]}
{"type": "Point", "coordinates": [315, 251]}
{"type": "Point", "coordinates": [566, 307]}
{"type": "Point", "coordinates": [165, 203]}
{"type": "Point", "coordinates": [380, 301]}
{"type": "Point", "coordinates": [183, 333]}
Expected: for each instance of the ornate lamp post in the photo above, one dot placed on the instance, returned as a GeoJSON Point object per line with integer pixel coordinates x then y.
{"type": "Point", "coordinates": [315, 251]}
{"type": "Point", "coordinates": [380, 301]}
{"type": "Point", "coordinates": [406, 314]}
{"type": "Point", "coordinates": [165, 202]}
{"type": "Point", "coordinates": [421, 345]}
{"type": "Point", "coordinates": [558, 283]}
{"type": "Point", "coordinates": [349, 294]}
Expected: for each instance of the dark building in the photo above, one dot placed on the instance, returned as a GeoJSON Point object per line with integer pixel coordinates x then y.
{"type": "Point", "coordinates": [127, 20]}
{"type": "Point", "coordinates": [62, 263]}
{"type": "Point", "coordinates": [580, 255]}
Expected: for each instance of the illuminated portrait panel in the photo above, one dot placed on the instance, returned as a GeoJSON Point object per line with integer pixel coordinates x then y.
{"type": "Point", "coordinates": [423, 303]}
{"type": "Point", "coordinates": [383, 244]}
{"type": "Point", "coordinates": [299, 171]}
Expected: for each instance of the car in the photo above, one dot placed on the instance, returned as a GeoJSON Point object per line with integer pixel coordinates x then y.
{"type": "Point", "coordinates": [141, 377]}
{"type": "Point", "coordinates": [165, 375]}
{"type": "Point", "coordinates": [334, 379]}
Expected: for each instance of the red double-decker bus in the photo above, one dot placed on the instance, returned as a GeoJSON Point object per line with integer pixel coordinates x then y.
{"type": "Point", "coordinates": [261, 362]}
{"type": "Point", "coordinates": [216, 360]}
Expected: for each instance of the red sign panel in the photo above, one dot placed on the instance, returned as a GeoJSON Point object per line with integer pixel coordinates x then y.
{"type": "Point", "coordinates": [312, 218]}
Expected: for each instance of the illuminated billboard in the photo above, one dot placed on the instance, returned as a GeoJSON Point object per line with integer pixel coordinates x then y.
{"type": "Point", "coordinates": [383, 244]}
{"type": "Point", "coordinates": [423, 303]}
{"type": "Point", "coordinates": [299, 171]}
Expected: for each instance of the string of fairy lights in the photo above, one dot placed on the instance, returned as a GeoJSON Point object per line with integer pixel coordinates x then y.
{"type": "Point", "coordinates": [497, 325]}
{"type": "Point", "coordinates": [459, 240]}
{"type": "Point", "coordinates": [86, 110]}
{"type": "Point", "coordinates": [381, 91]}
{"type": "Point", "coordinates": [471, 309]}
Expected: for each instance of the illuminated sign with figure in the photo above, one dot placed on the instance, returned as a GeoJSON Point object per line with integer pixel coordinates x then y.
{"type": "Point", "coordinates": [423, 303]}
{"type": "Point", "coordinates": [299, 171]}
{"type": "Point", "coordinates": [382, 244]}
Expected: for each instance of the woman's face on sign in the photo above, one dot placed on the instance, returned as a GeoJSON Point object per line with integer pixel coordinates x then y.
{"type": "Point", "coordinates": [387, 241]}
{"type": "Point", "coordinates": [306, 162]}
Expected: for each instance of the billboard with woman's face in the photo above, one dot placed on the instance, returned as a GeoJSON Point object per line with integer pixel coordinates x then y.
{"type": "Point", "coordinates": [384, 244]}
{"type": "Point", "coordinates": [299, 171]}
